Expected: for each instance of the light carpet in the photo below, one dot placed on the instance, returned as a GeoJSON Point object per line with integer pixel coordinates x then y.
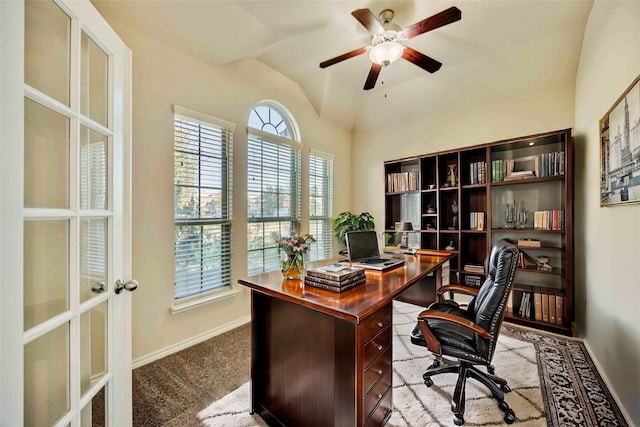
{"type": "Point", "coordinates": [418, 405]}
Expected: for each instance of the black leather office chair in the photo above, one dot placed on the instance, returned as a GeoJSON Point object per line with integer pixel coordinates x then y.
{"type": "Point", "coordinates": [470, 335]}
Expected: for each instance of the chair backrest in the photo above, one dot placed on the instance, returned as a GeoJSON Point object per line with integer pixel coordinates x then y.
{"type": "Point", "coordinates": [488, 306]}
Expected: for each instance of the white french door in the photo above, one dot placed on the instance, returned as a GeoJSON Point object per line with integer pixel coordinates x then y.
{"type": "Point", "coordinates": [65, 100]}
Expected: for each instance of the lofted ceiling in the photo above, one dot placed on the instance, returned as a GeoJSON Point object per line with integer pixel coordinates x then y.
{"type": "Point", "coordinates": [499, 48]}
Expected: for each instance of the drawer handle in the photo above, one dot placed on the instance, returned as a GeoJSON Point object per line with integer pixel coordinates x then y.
{"type": "Point", "coordinates": [379, 371]}
{"type": "Point", "coordinates": [380, 325]}
{"type": "Point", "coordinates": [379, 396]}
{"type": "Point", "coordinates": [379, 347]}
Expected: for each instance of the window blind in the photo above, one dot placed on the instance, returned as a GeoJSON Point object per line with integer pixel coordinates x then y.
{"type": "Point", "coordinates": [320, 205]}
{"type": "Point", "coordinates": [202, 203]}
{"type": "Point", "coordinates": [273, 197]}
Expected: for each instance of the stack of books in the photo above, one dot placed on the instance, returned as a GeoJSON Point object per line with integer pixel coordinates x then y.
{"type": "Point", "coordinates": [475, 281]}
{"type": "Point", "coordinates": [336, 278]}
{"type": "Point", "coordinates": [474, 267]}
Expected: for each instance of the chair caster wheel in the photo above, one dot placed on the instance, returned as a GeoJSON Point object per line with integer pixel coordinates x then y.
{"type": "Point", "coordinates": [458, 419]}
{"type": "Point", "coordinates": [505, 388]}
{"type": "Point", "coordinates": [428, 382]}
{"type": "Point", "coordinates": [509, 417]}
{"type": "Point", "coordinates": [491, 369]}
{"type": "Point", "coordinates": [504, 406]}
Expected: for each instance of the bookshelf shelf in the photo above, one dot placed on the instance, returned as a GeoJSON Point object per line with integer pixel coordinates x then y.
{"type": "Point", "coordinates": [535, 270]}
{"type": "Point", "coordinates": [532, 174]}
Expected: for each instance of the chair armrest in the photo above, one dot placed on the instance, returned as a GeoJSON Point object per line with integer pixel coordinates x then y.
{"type": "Point", "coordinates": [461, 289]}
{"type": "Point", "coordinates": [460, 321]}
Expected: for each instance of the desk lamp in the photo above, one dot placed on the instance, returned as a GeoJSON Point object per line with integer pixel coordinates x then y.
{"type": "Point", "coordinates": [405, 227]}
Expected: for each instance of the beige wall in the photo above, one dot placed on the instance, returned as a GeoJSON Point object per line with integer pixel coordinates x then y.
{"type": "Point", "coordinates": [163, 77]}
{"type": "Point", "coordinates": [538, 111]}
{"type": "Point", "coordinates": [607, 239]}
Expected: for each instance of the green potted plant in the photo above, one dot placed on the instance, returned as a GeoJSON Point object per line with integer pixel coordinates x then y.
{"type": "Point", "coordinates": [347, 221]}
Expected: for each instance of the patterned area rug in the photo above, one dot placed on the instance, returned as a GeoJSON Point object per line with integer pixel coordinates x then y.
{"type": "Point", "coordinates": [552, 378]}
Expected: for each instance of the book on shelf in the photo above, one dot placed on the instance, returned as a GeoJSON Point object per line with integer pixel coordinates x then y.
{"type": "Point", "coordinates": [549, 164]}
{"type": "Point", "coordinates": [537, 303]}
{"type": "Point", "coordinates": [477, 173]}
{"type": "Point", "coordinates": [542, 165]}
{"type": "Point", "coordinates": [474, 281]}
{"type": "Point", "coordinates": [552, 306]}
{"type": "Point", "coordinates": [519, 175]}
{"type": "Point", "coordinates": [559, 306]}
{"type": "Point", "coordinates": [545, 307]}
{"type": "Point", "coordinates": [474, 267]}
{"type": "Point", "coordinates": [529, 243]}
{"type": "Point", "coordinates": [325, 272]}
{"type": "Point", "coordinates": [525, 305]}
{"type": "Point", "coordinates": [476, 221]}
{"type": "Point", "coordinates": [510, 303]}
{"type": "Point", "coordinates": [403, 181]}
{"type": "Point", "coordinates": [549, 220]}
{"type": "Point", "coordinates": [311, 281]}
{"type": "Point", "coordinates": [522, 260]}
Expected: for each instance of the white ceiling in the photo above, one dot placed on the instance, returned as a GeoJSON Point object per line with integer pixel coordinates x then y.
{"type": "Point", "coordinates": [499, 48]}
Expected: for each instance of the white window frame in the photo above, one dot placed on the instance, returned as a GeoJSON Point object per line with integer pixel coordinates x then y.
{"type": "Point", "coordinates": [264, 229]}
{"type": "Point", "coordinates": [210, 286]}
{"type": "Point", "coordinates": [323, 247]}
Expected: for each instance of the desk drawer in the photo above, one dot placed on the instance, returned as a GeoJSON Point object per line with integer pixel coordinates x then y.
{"type": "Point", "coordinates": [376, 346]}
{"type": "Point", "coordinates": [377, 322]}
{"type": "Point", "coordinates": [379, 393]}
{"type": "Point", "coordinates": [377, 369]}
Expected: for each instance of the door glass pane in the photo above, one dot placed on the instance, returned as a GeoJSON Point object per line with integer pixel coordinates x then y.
{"type": "Point", "coordinates": [93, 414]}
{"type": "Point", "coordinates": [46, 157]}
{"type": "Point", "coordinates": [93, 258]}
{"type": "Point", "coordinates": [93, 346]}
{"type": "Point", "coordinates": [47, 49]}
{"type": "Point", "coordinates": [46, 270]}
{"type": "Point", "coordinates": [46, 378]}
{"type": "Point", "coordinates": [93, 83]}
{"type": "Point", "coordinates": [94, 150]}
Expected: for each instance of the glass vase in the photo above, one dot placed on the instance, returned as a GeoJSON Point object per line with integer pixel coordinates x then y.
{"type": "Point", "coordinates": [292, 265]}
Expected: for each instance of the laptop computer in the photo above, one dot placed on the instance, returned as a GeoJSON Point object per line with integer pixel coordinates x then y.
{"type": "Point", "coordinates": [363, 251]}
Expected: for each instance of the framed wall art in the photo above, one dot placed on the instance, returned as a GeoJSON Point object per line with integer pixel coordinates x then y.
{"type": "Point", "coordinates": [620, 149]}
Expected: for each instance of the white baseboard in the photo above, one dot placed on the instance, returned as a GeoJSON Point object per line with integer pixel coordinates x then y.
{"type": "Point", "coordinates": [608, 383]}
{"type": "Point", "coordinates": [189, 342]}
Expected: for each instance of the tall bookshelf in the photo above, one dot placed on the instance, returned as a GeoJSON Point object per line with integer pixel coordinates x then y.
{"type": "Point", "coordinates": [518, 189]}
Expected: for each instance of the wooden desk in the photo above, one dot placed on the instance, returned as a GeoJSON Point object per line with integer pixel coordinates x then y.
{"type": "Point", "coordinates": [321, 358]}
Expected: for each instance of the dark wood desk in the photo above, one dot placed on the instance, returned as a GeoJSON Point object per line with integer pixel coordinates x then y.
{"type": "Point", "coordinates": [321, 358]}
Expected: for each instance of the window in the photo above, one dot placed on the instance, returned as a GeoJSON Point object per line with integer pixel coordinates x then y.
{"type": "Point", "coordinates": [273, 184]}
{"type": "Point", "coordinates": [320, 205]}
{"type": "Point", "coordinates": [202, 203]}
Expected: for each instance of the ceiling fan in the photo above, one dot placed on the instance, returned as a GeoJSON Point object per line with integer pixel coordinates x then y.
{"type": "Point", "coordinates": [387, 41]}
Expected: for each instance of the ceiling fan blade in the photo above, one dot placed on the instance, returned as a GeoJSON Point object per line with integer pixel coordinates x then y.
{"type": "Point", "coordinates": [421, 60]}
{"type": "Point", "coordinates": [369, 21]}
{"type": "Point", "coordinates": [372, 77]}
{"type": "Point", "coordinates": [342, 57]}
{"type": "Point", "coordinates": [438, 20]}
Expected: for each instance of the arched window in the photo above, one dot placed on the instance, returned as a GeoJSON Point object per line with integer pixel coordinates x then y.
{"type": "Point", "coordinates": [273, 183]}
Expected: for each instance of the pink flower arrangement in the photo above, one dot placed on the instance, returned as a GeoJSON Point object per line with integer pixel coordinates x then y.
{"type": "Point", "coordinates": [295, 243]}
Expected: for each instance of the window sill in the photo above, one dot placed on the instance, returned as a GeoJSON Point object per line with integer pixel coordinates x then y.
{"type": "Point", "coordinates": [197, 302]}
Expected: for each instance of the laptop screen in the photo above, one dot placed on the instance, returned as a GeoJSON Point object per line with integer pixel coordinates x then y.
{"type": "Point", "coordinates": [362, 244]}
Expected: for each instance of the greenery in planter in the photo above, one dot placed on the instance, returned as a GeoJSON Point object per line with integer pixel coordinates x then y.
{"type": "Point", "coordinates": [347, 221]}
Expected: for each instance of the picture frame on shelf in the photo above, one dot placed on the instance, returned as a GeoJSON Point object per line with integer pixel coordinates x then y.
{"type": "Point", "coordinates": [620, 150]}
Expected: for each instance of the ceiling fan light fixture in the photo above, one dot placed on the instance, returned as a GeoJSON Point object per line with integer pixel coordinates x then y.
{"type": "Point", "coordinates": [386, 52]}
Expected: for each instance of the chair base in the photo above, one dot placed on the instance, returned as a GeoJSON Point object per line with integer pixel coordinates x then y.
{"type": "Point", "coordinates": [498, 386]}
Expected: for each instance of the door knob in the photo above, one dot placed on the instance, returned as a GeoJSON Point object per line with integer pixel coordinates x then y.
{"type": "Point", "coordinates": [98, 287]}
{"type": "Point", "coordinates": [129, 285]}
